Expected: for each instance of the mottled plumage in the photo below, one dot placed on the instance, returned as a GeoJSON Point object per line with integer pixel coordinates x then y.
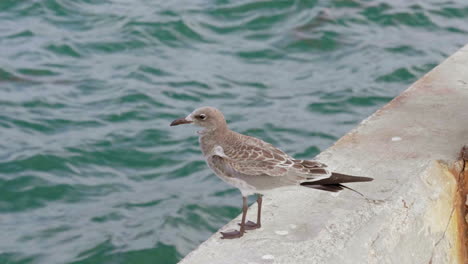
{"type": "Point", "coordinates": [255, 166]}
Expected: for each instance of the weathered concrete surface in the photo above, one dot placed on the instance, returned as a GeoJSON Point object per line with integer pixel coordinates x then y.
{"type": "Point", "coordinates": [409, 147]}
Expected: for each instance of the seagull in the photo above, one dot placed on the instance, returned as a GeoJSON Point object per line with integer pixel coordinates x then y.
{"type": "Point", "coordinates": [254, 166]}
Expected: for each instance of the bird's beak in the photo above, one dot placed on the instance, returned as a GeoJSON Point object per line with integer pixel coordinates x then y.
{"type": "Point", "coordinates": [181, 121]}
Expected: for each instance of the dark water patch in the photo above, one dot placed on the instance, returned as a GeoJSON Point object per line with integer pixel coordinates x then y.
{"type": "Point", "coordinates": [173, 32]}
{"type": "Point", "coordinates": [316, 22]}
{"type": "Point", "coordinates": [139, 97]}
{"type": "Point", "coordinates": [263, 22]}
{"type": "Point", "coordinates": [416, 19]}
{"type": "Point", "coordinates": [323, 41]}
{"type": "Point", "coordinates": [17, 258]}
{"type": "Point", "coordinates": [239, 10]}
{"type": "Point", "coordinates": [106, 252]}
{"type": "Point", "coordinates": [222, 29]}
{"type": "Point", "coordinates": [216, 95]}
{"type": "Point", "coordinates": [43, 103]}
{"type": "Point", "coordinates": [451, 12]}
{"type": "Point", "coordinates": [7, 5]}
{"type": "Point", "coordinates": [226, 193]}
{"type": "Point", "coordinates": [142, 204]}
{"type": "Point", "coordinates": [118, 141]}
{"type": "Point", "coordinates": [143, 177]}
{"type": "Point", "coordinates": [150, 233]}
{"type": "Point", "coordinates": [182, 96]}
{"type": "Point", "coordinates": [258, 36]}
{"type": "Point", "coordinates": [455, 30]}
{"type": "Point", "coordinates": [22, 34]}
{"type": "Point", "coordinates": [153, 71]}
{"type": "Point", "coordinates": [140, 77]}
{"type": "Point", "coordinates": [113, 216]}
{"type": "Point", "coordinates": [260, 133]}
{"type": "Point", "coordinates": [38, 162]}
{"type": "Point", "coordinates": [49, 126]}
{"type": "Point", "coordinates": [422, 69]}
{"type": "Point", "coordinates": [328, 108]}
{"type": "Point", "coordinates": [257, 102]}
{"type": "Point", "coordinates": [22, 183]}
{"type": "Point", "coordinates": [298, 132]}
{"type": "Point", "coordinates": [8, 76]}
{"type": "Point", "coordinates": [120, 158]}
{"type": "Point", "coordinates": [58, 8]}
{"type": "Point", "coordinates": [159, 137]}
{"type": "Point", "coordinates": [336, 95]}
{"type": "Point", "coordinates": [241, 83]}
{"type": "Point", "coordinates": [368, 100]}
{"type": "Point", "coordinates": [68, 239]}
{"type": "Point", "coordinates": [188, 169]}
{"type": "Point", "coordinates": [47, 233]}
{"type": "Point", "coordinates": [62, 125]}
{"type": "Point", "coordinates": [399, 75]}
{"type": "Point", "coordinates": [383, 14]}
{"type": "Point", "coordinates": [126, 116]}
{"type": "Point", "coordinates": [308, 153]}
{"type": "Point", "coordinates": [347, 3]}
{"type": "Point", "coordinates": [89, 86]}
{"type": "Point", "coordinates": [27, 9]}
{"type": "Point", "coordinates": [37, 72]}
{"type": "Point", "coordinates": [37, 196]}
{"type": "Point", "coordinates": [5, 124]}
{"type": "Point", "coordinates": [25, 125]}
{"type": "Point", "coordinates": [63, 50]}
{"type": "Point", "coordinates": [189, 84]}
{"type": "Point", "coordinates": [133, 100]}
{"type": "Point", "coordinates": [406, 50]}
{"type": "Point", "coordinates": [260, 56]}
{"type": "Point", "coordinates": [104, 47]}
{"type": "Point", "coordinates": [334, 105]}
{"type": "Point", "coordinates": [99, 250]}
{"type": "Point", "coordinates": [376, 13]}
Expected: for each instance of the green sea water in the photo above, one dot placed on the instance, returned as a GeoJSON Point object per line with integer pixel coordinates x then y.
{"type": "Point", "coordinates": [91, 172]}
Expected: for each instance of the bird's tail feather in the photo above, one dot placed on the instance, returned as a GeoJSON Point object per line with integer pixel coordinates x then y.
{"type": "Point", "coordinates": [333, 188]}
{"type": "Point", "coordinates": [339, 178]}
{"type": "Point", "coordinates": [327, 187]}
{"type": "Point", "coordinates": [334, 184]}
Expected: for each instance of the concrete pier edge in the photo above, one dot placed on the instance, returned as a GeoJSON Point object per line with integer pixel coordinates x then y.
{"type": "Point", "coordinates": [411, 146]}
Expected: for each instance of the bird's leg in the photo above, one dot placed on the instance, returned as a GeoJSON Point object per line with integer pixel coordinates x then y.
{"type": "Point", "coordinates": [235, 233]}
{"type": "Point", "coordinates": [251, 225]}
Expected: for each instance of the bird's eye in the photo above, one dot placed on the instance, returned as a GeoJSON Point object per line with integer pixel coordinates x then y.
{"type": "Point", "coordinates": [202, 116]}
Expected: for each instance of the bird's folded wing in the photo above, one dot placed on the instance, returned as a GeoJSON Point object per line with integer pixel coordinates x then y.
{"type": "Point", "coordinates": [236, 168]}
{"type": "Point", "coordinates": [268, 161]}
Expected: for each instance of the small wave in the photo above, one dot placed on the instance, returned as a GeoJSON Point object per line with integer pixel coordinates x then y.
{"type": "Point", "coordinates": [113, 216]}
{"type": "Point", "coordinates": [26, 193]}
{"type": "Point", "coordinates": [398, 75]}
{"type": "Point", "coordinates": [63, 50]}
{"type": "Point", "coordinates": [173, 33]}
{"type": "Point", "coordinates": [201, 217]}
{"type": "Point", "coordinates": [106, 252]}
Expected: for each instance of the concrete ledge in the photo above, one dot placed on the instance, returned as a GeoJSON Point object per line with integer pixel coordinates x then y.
{"type": "Point", "coordinates": [410, 147]}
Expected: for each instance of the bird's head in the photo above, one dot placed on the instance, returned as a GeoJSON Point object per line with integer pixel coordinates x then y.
{"type": "Point", "coordinates": [207, 117]}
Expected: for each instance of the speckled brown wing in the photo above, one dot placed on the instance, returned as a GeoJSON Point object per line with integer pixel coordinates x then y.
{"type": "Point", "coordinates": [252, 156]}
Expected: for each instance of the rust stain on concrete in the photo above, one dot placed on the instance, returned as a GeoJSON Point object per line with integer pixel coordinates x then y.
{"type": "Point", "coordinates": [460, 173]}
{"type": "Point", "coordinates": [463, 206]}
{"type": "Point", "coordinates": [459, 224]}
